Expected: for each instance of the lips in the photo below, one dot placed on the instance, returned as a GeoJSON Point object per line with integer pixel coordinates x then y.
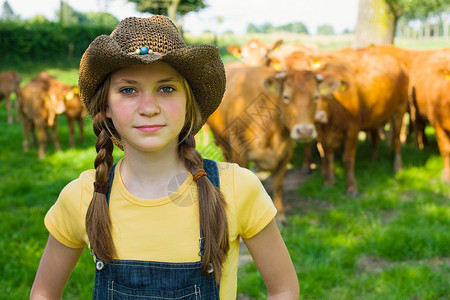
{"type": "Point", "coordinates": [149, 128]}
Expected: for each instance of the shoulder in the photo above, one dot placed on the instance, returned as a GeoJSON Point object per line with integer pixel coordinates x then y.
{"type": "Point", "coordinates": [237, 175]}
{"type": "Point", "coordinates": [233, 169]}
{"type": "Point", "coordinates": [84, 183]}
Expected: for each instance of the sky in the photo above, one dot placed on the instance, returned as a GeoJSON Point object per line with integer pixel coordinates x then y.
{"type": "Point", "coordinates": [236, 14]}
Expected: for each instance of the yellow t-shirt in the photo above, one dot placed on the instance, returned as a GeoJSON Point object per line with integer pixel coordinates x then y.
{"type": "Point", "coordinates": [165, 229]}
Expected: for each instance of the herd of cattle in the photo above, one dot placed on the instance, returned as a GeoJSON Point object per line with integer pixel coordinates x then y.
{"type": "Point", "coordinates": [280, 94]}
{"type": "Point", "coordinates": [39, 103]}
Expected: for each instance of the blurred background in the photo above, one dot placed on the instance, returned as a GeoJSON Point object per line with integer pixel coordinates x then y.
{"type": "Point", "coordinates": [391, 241]}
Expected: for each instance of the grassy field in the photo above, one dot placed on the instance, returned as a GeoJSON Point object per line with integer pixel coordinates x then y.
{"type": "Point", "coordinates": [391, 242]}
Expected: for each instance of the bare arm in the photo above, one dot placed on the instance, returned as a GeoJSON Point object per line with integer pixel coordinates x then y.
{"type": "Point", "coordinates": [54, 270]}
{"type": "Point", "coordinates": [274, 263]}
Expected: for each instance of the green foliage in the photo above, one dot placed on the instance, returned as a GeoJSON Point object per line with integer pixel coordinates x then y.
{"type": "Point", "coordinates": [297, 27]}
{"type": "Point", "coordinates": [7, 12]}
{"type": "Point", "coordinates": [325, 29]}
{"type": "Point", "coordinates": [163, 7]}
{"type": "Point", "coordinates": [99, 19]}
{"type": "Point", "coordinates": [417, 9]}
{"type": "Point", "coordinates": [70, 16]}
{"type": "Point", "coordinates": [45, 41]}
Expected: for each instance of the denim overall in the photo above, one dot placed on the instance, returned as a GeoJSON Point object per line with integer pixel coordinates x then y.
{"type": "Point", "coordinates": [133, 279]}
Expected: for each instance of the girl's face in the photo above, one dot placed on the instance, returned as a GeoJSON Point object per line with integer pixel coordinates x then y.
{"type": "Point", "coordinates": [147, 104]}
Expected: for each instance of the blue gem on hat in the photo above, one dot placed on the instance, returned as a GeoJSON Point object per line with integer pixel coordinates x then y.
{"type": "Point", "coordinates": [144, 50]}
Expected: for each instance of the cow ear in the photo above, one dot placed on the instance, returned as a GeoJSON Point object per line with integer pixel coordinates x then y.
{"type": "Point", "coordinates": [273, 84]}
{"type": "Point", "coordinates": [330, 84]}
{"type": "Point", "coordinates": [276, 45]}
{"type": "Point", "coordinates": [234, 50]}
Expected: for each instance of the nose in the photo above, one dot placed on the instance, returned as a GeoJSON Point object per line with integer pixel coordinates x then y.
{"type": "Point", "coordinates": [148, 105]}
{"type": "Point", "coordinates": [304, 132]}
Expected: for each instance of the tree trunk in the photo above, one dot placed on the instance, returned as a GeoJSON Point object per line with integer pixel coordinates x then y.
{"type": "Point", "coordinates": [376, 24]}
{"type": "Point", "coordinates": [172, 11]}
{"type": "Point", "coordinates": [445, 29]}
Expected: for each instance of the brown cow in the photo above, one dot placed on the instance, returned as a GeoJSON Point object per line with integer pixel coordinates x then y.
{"type": "Point", "coordinates": [430, 100]}
{"type": "Point", "coordinates": [407, 57]}
{"type": "Point", "coordinates": [9, 83]}
{"type": "Point", "coordinates": [258, 120]}
{"type": "Point", "coordinates": [369, 92]}
{"type": "Point", "coordinates": [75, 110]}
{"type": "Point", "coordinates": [40, 101]}
{"type": "Point", "coordinates": [38, 108]}
{"type": "Point", "coordinates": [253, 53]}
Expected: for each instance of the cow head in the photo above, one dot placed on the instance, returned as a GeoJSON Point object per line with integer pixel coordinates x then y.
{"type": "Point", "coordinates": [327, 87]}
{"type": "Point", "coordinates": [297, 92]}
{"type": "Point", "coordinates": [254, 52]}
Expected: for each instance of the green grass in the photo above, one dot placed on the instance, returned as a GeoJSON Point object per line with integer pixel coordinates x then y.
{"type": "Point", "coordinates": [390, 242]}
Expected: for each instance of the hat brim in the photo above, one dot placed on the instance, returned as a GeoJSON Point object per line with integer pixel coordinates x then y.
{"type": "Point", "coordinates": [201, 65]}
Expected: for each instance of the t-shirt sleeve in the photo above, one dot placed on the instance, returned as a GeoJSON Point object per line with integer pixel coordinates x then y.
{"type": "Point", "coordinates": [254, 207]}
{"type": "Point", "coordinates": [64, 220]}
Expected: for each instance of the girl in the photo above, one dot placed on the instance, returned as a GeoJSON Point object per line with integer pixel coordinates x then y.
{"type": "Point", "coordinates": [162, 223]}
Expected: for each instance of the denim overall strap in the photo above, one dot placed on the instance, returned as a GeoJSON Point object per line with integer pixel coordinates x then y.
{"type": "Point", "coordinates": [132, 279]}
{"type": "Point", "coordinates": [212, 172]}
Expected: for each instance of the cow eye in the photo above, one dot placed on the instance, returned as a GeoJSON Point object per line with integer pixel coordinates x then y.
{"type": "Point", "coordinates": [315, 99]}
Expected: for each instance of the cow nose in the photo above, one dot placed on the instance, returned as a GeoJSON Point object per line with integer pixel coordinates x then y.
{"type": "Point", "coordinates": [321, 117]}
{"type": "Point", "coordinates": [304, 132]}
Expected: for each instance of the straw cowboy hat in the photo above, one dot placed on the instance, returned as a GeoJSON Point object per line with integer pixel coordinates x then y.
{"type": "Point", "coordinates": [145, 40]}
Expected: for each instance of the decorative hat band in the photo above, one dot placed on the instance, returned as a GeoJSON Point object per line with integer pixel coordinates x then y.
{"type": "Point", "coordinates": [143, 51]}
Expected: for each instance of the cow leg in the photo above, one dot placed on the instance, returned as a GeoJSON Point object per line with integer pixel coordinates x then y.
{"type": "Point", "coordinates": [33, 134]}
{"type": "Point", "coordinates": [27, 131]}
{"type": "Point", "coordinates": [443, 139]}
{"type": "Point", "coordinates": [396, 130]}
{"type": "Point", "coordinates": [374, 139]}
{"type": "Point", "coordinates": [41, 133]}
{"type": "Point", "coordinates": [70, 123]}
{"type": "Point", "coordinates": [328, 166]}
{"type": "Point", "coordinates": [307, 158]}
{"type": "Point", "coordinates": [81, 126]}
{"type": "Point", "coordinates": [9, 109]}
{"type": "Point", "coordinates": [277, 185]}
{"type": "Point", "coordinates": [348, 158]}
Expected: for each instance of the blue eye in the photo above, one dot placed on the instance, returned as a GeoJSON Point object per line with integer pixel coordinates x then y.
{"type": "Point", "coordinates": [167, 89]}
{"type": "Point", "coordinates": [127, 90]}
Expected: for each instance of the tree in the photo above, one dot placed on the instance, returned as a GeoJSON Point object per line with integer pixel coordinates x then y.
{"type": "Point", "coordinates": [325, 29]}
{"type": "Point", "coordinates": [67, 15]}
{"type": "Point", "coordinates": [297, 27]}
{"type": "Point", "coordinates": [174, 9]}
{"type": "Point", "coordinates": [7, 12]}
{"type": "Point", "coordinates": [99, 19]}
{"type": "Point", "coordinates": [377, 19]}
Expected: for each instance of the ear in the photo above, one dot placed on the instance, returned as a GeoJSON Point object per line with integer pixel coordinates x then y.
{"type": "Point", "coordinates": [273, 84]}
{"type": "Point", "coordinates": [234, 50]}
{"type": "Point", "coordinates": [276, 45]}
{"type": "Point", "coordinates": [69, 96]}
{"type": "Point", "coordinates": [275, 64]}
{"type": "Point", "coordinates": [330, 84]}
{"type": "Point", "coordinates": [108, 112]}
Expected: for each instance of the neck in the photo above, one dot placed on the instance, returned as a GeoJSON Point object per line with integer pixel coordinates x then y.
{"type": "Point", "coordinates": [147, 174]}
